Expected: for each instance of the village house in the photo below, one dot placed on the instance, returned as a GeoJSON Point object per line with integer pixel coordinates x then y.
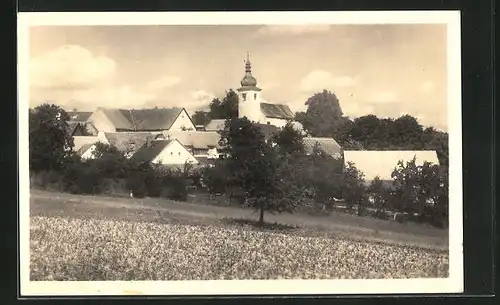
{"type": "Point", "coordinates": [86, 151]}
{"type": "Point", "coordinates": [382, 163]}
{"type": "Point", "coordinates": [205, 146]}
{"type": "Point", "coordinates": [79, 125]}
{"type": "Point", "coordinates": [169, 153]}
{"type": "Point", "coordinates": [328, 145]}
{"type": "Point", "coordinates": [141, 120]}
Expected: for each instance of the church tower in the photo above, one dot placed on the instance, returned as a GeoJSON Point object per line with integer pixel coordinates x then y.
{"type": "Point", "coordinates": [249, 95]}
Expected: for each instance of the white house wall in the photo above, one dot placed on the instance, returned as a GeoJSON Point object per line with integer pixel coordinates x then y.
{"type": "Point", "coordinates": [79, 141]}
{"type": "Point", "coordinates": [280, 123]}
{"type": "Point", "coordinates": [174, 154]}
{"type": "Point", "coordinates": [101, 122]}
{"type": "Point", "coordinates": [88, 154]}
{"type": "Point", "coordinates": [182, 120]}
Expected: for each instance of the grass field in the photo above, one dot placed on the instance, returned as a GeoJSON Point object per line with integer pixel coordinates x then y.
{"type": "Point", "coordinates": [98, 238]}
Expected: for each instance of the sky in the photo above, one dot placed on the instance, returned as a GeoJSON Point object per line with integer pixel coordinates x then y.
{"type": "Point", "coordinates": [386, 70]}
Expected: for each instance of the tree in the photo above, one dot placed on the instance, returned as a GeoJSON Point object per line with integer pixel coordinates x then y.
{"type": "Point", "coordinates": [255, 167]}
{"type": "Point", "coordinates": [364, 127]}
{"type": "Point", "coordinates": [289, 140]}
{"type": "Point", "coordinates": [406, 181]}
{"type": "Point", "coordinates": [323, 117]}
{"type": "Point", "coordinates": [227, 109]}
{"type": "Point", "coordinates": [354, 190]}
{"type": "Point", "coordinates": [406, 132]}
{"type": "Point", "coordinates": [378, 192]}
{"type": "Point", "coordinates": [110, 162]}
{"type": "Point", "coordinates": [201, 118]}
{"type": "Point", "coordinates": [49, 141]}
{"type": "Point", "coordinates": [438, 141]}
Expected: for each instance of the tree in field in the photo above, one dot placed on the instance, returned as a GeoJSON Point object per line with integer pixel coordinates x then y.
{"type": "Point", "coordinates": [49, 141]}
{"type": "Point", "coordinates": [379, 194]}
{"type": "Point", "coordinates": [324, 173]}
{"type": "Point", "coordinates": [254, 167]}
{"type": "Point", "coordinates": [289, 140]}
{"type": "Point", "coordinates": [323, 117]}
{"type": "Point", "coordinates": [201, 118]}
{"type": "Point", "coordinates": [225, 109]}
{"type": "Point", "coordinates": [354, 189]}
{"type": "Point", "coordinates": [406, 181]}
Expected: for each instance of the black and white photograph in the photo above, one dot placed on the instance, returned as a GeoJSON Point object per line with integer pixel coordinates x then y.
{"type": "Point", "coordinates": [226, 153]}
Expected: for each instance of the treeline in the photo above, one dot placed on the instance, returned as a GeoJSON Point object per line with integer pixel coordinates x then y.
{"type": "Point", "coordinates": [324, 118]}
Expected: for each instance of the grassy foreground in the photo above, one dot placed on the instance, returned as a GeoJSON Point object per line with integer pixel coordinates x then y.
{"type": "Point", "coordinates": [83, 248]}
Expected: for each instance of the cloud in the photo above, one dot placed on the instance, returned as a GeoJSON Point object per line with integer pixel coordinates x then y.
{"type": "Point", "coordinates": [319, 80]}
{"type": "Point", "coordinates": [273, 30]}
{"type": "Point", "coordinates": [70, 67]}
{"type": "Point", "coordinates": [164, 82]}
{"type": "Point", "coordinates": [381, 97]}
{"type": "Point", "coordinates": [89, 99]}
{"type": "Point", "coordinates": [427, 87]}
{"type": "Point", "coordinates": [200, 99]}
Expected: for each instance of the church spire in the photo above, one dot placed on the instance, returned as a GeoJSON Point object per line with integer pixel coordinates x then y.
{"type": "Point", "coordinates": [248, 65]}
{"type": "Point", "coordinates": [249, 80]}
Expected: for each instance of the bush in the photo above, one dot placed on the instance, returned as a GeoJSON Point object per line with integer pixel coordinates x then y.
{"type": "Point", "coordinates": [83, 178]}
{"type": "Point", "coordinates": [137, 185]}
{"type": "Point", "coordinates": [47, 180]}
{"type": "Point", "coordinates": [175, 188]}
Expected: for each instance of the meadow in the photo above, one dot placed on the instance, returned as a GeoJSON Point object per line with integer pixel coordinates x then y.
{"type": "Point", "coordinates": [76, 239]}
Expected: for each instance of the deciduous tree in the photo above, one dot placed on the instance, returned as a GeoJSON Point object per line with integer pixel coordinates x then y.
{"type": "Point", "coordinates": [49, 141]}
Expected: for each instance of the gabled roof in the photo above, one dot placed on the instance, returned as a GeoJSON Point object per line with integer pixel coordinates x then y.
{"type": "Point", "coordinates": [155, 119]}
{"type": "Point", "coordinates": [80, 141]}
{"type": "Point", "coordinates": [79, 116]}
{"type": "Point", "coordinates": [72, 127]}
{"type": "Point", "coordinates": [127, 141]}
{"type": "Point", "coordinates": [215, 125]}
{"type": "Point", "coordinates": [277, 111]}
{"type": "Point", "coordinates": [382, 163]}
{"type": "Point", "coordinates": [327, 145]}
{"type": "Point", "coordinates": [84, 148]}
{"type": "Point", "coordinates": [148, 153]}
{"type": "Point", "coordinates": [142, 119]}
{"type": "Point", "coordinates": [195, 139]}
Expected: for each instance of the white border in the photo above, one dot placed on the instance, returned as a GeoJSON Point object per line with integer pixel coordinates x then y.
{"type": "Point", "coordinates": [452, 284]}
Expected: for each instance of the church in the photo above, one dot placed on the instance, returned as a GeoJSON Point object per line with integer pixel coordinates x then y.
{"type": "Point", "coordinates": [252, 106]}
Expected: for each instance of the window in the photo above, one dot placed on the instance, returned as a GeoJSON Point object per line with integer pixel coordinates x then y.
{"type": "Point", "coordinates": [171, 153]}
{"type": "Point", "coordinates": [255, 96]}
{"type": "Point", "coordinates": [179, 153]}
{"type": "Point", "coordinates": [244, 96]}
{"type": "Point", "coordinates": [268, 123]}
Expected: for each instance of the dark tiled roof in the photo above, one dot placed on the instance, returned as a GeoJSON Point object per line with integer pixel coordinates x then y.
{"type": "Point", "coordinates": [327, 145]}
{"type": "Point", "coordinates": [72, 127]}
{"type": "Point", "coordinates": [79, 116]}
{"type": "Point", "coordinates": [147, 154]}
{"type": "Point", "coordinates": [155, 119]}
{"type": "Point", "coordinates": [195, 139]}
{"type": "Point", "coordinates": [127, 141]}
{"type": "Point", "coordinates": [215, 125]}
{"type": "Point", "coordinates": [142, 119]}
{"type": "Point", "coordinates": [277, 111]}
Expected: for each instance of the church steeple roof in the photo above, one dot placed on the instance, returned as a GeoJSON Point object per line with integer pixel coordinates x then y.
{"type": "Point", "coordinates": [248, 80]}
